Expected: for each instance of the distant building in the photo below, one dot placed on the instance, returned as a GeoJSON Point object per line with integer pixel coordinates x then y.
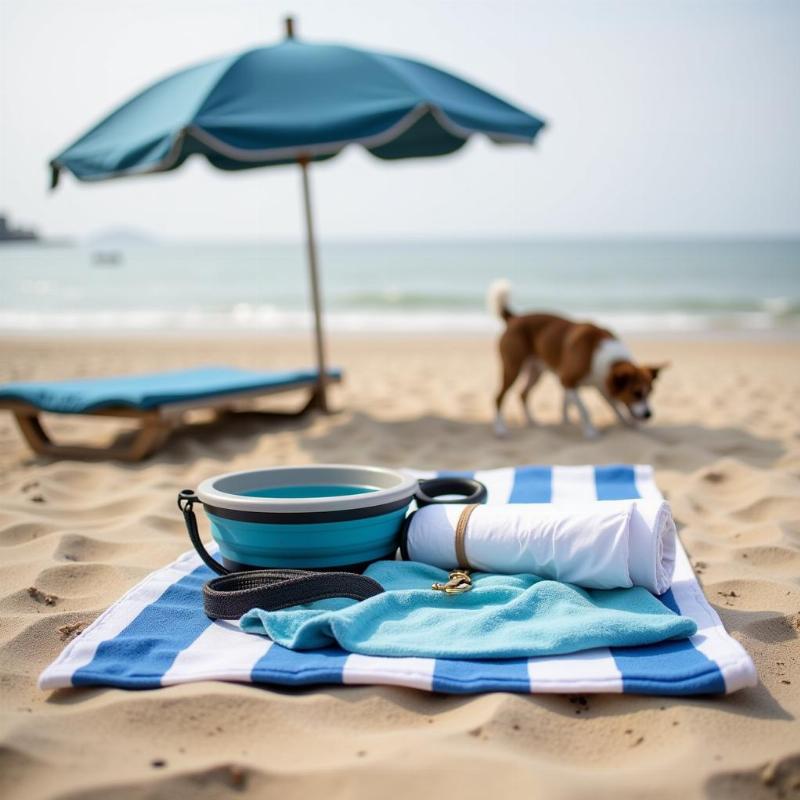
{"type": "Point", "coordinates": [8, 233]}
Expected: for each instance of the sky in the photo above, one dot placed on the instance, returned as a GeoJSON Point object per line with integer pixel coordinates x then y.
{"type": "Point", "coordinates": [665, 118]}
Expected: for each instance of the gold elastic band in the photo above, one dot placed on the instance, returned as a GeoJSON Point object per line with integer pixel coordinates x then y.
{"type": "Point", "coordinates": [461, 532]}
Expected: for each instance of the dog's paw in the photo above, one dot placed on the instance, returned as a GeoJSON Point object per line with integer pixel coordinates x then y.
{"type": "Point", "coordinates": [500, 429]}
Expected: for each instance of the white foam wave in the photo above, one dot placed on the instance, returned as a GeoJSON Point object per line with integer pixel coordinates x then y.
{"type": "Point", "coordinates": [245, 317]}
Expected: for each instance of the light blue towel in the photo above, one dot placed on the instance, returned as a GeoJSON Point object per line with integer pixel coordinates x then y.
{"type": "Point", "coordinates": [503, 616]}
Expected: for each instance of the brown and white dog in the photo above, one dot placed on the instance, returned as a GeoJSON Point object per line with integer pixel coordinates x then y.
{"type": "Point", "coordinates": [579, 353]}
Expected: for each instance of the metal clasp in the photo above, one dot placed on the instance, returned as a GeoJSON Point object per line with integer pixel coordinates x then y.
{"type": "Point", "coordinates": [459, 583]}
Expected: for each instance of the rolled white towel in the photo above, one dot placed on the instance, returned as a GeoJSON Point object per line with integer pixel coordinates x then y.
{"type": "Point", "coordinates": [604, 545]}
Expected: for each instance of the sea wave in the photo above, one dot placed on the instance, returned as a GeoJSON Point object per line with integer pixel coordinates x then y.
{"type": "Point", "coordinates": [245, 317]}
{"type": "Point", "coordinates": [393, 298]}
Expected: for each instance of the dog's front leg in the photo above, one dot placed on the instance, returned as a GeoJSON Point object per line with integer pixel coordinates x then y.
{"type": "Point", "coordinates": [627, 421]}
{"type": "Point", "coordinates": [571, 396]}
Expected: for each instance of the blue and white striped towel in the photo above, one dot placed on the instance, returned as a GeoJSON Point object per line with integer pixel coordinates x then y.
{"type": "Point", "coordinates": [158, 635]}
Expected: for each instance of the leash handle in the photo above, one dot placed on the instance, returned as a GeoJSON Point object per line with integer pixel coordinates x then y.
{"type": "Point", "coordinates": [235, 593]}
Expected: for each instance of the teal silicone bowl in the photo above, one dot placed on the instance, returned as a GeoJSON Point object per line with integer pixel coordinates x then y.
{"type": "Point", "coordinates": [326, 516]}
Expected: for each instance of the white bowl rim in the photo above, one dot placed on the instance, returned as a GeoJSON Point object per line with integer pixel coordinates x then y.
{"type": "Point", "coordinates": [403, 487]}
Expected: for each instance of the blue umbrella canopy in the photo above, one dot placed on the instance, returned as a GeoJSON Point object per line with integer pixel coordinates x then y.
{"type": "Point", "coordinates": [293, 102]}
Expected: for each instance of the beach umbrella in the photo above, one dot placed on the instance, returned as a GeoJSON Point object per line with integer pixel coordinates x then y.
{"type": "Point", "coordinates": [293, 103]}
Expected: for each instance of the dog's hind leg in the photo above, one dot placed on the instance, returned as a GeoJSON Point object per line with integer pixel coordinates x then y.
{"type": "Point", "coordinates": [534, 373]}
{"type": "Point", "coordinates": [500, 427]}
{"type": "Point", "coordinates": [512, 358]}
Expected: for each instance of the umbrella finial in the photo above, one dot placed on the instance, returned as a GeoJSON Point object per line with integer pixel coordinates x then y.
{"type": "Point", "coordinates": [289, 21]}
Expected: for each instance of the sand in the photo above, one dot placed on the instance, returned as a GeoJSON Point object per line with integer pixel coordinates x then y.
{"type": "Point", "coordinates": [725, 443]}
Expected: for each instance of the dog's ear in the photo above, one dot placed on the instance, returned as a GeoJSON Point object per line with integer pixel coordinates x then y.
{"type": "Point", "coordinates": [656, 368]}
{"type": "Point", "coordinates": [620, 376]}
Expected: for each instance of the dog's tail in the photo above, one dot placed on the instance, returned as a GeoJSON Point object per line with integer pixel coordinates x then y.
{"type": "Point", "coordinates": [497, 299]}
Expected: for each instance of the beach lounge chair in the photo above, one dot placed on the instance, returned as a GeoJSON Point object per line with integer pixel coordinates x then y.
{"type": "Point", "coordinates": [157, 400]}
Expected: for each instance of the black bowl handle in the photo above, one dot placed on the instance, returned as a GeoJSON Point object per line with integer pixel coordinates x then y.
{"type": "Point", "coordinates": [468, 490]}
{"type": "Point", "coordinates": [186, 499]}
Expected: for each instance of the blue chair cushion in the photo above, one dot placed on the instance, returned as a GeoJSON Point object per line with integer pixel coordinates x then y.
{"type": "Point", "coordinates": [151, 391]}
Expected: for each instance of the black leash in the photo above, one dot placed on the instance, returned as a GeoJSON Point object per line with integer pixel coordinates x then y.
{"type": "Point", "coordinates": [235, 593]}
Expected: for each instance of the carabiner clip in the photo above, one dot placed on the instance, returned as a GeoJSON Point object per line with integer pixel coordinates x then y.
{"type": "Point", "coordinates": [459, 583]}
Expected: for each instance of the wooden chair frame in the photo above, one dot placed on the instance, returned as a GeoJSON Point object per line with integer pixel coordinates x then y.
{"type": "Point", "coordinates": [155, 424]}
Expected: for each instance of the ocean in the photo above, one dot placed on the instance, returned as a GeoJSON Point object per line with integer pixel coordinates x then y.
{"type": "Point", "coordinates": [634, 286]}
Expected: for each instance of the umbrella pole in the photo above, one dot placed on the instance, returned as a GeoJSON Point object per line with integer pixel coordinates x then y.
{"type": "Point", "coordinates": [311, 248]}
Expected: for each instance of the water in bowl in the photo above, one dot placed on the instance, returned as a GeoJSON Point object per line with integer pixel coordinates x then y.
{"type": "Point", "coordinates": [309, 490]}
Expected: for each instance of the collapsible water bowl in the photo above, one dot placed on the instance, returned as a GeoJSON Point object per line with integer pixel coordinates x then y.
{"type": "Point", "coordinates": [322, 517]}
